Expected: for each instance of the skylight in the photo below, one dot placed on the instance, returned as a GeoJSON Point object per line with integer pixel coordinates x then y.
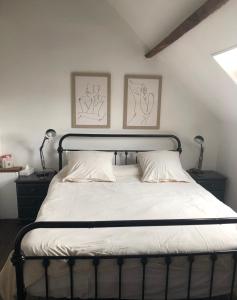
{"type": "Point", "coordinates": [228, 61]}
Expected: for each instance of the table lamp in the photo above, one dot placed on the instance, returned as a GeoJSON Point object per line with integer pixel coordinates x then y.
{"type": "Point", "coordinates": [49, 134]}
{"type": "Point", "coordinates": [200, 141]}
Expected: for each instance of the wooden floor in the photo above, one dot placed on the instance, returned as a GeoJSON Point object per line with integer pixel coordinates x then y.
{"type": "Point", "coordinates": [8, 231]}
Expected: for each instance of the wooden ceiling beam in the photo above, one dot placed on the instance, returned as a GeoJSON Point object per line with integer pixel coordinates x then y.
{"type": "Point", "coordinates": [197, 17]}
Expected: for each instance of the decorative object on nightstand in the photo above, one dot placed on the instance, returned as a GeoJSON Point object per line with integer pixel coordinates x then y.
{"type": "Point", "coordinates": [31, 192]}
{"type": "Point", "coordinates": [212, 181]}
{"type": "Point", "coordinates": [200, 141]}
{"type": "Point", "coordinates": [6, 161]}
{"type": "Point", "coordinates": [50, 133]}
{"type": "Point", "coordinates": [7, 164]}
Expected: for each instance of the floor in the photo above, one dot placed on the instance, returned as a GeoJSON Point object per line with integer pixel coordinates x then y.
{"type": "Point", "coordinates": [8, 231]}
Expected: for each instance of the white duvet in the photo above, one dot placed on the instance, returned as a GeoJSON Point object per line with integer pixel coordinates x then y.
{"type": "Point", "coordinates": [126, 199]}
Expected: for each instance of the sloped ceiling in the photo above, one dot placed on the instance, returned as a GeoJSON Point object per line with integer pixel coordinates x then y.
{"type": "Point", "coordinates": [189, 58]}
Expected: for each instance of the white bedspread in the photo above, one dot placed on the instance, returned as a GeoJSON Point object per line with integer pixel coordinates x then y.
{"type": "Point", "coordinates": [125, 199]}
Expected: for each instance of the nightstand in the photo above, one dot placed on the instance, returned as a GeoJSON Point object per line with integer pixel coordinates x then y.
{"type": "Point", "coordinates": [212, 181]}
{"type": "Point", "coordinates": [31, 192]}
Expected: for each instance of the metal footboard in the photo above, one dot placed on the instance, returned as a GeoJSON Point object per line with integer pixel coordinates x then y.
{"type": "Point", "coordinates": [19, 257]}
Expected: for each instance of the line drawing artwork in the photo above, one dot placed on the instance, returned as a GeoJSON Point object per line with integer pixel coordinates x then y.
{"type": "Point", "coordinates": [90, 100]}
{"type": "Point", "coordinates": [92, 103]}
{"type": "Point", "coordinates": [142, 103]}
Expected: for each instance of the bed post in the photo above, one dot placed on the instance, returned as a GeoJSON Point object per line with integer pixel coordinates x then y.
{"type": "Point", "coordinates": [18, 260]}
{"type": "Point", "coordinates": [60, 161]}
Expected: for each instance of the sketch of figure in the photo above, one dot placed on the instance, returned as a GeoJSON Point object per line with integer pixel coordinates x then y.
{"type": "Point", "coordinates": [91, 103]}
{"type": "Point", "coordinates": [85, 101]}
{"type": "Point", "coordinates": [146, 104]}
{"type": "Point", "coordinates": [135, 91]}
{"type": "Point", "coordinates": [142, 103]}
{"type": "Point", "coordinates": [98, 100]}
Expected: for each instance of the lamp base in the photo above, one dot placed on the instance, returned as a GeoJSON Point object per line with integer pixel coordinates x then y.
{"type": "Point", "coordinates": [45, 173]}
{"type": "Point", "coordinates": [195, 171]}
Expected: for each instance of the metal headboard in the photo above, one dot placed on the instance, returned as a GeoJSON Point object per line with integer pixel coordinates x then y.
{"type": "Point", "coordinates": [69, 135]}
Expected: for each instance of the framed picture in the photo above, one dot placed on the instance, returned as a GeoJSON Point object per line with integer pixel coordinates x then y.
{"type": "Point", "coordinates": [91, 100]}
{"type": "Point", "coordinates": [142, 101]}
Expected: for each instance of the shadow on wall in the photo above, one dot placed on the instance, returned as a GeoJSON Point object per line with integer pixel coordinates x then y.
{"type": "Point", "coordinates": [190, 154]}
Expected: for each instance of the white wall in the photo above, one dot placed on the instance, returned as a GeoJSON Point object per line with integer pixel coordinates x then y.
{"type": "Point", "coordinates": [8, 202]}
{"type": "Point", "coordinates": [190, 59]}
{"type": "Point", "coordinates": [42, 42]}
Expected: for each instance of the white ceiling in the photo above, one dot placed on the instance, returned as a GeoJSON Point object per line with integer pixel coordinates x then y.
{"type": "Point", "coordinates": [153, 19]}
{"type": "Point", "coordinates": [189, 58]}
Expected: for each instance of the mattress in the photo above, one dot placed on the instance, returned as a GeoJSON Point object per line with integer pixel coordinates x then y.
{"type": "Point", "coordinates": [127, 199]}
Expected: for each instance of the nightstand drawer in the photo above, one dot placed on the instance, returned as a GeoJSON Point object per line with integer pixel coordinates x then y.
{"type": "Point", "coordinates": [30, 190]}
{"type": "Point", "coordinates": [28, 212]}
{"type": "Point", "coordinates": [219, 194]}
{"type": "Point", "coordinates": [30, 201]}
{"type": "Point", "coordinates": [212, 184]}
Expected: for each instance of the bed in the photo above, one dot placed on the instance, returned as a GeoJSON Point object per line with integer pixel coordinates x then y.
{"type": "Point", "coordinates": [125, 240]}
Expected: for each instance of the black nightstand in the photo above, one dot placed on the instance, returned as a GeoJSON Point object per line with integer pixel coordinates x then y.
{"type": "Point", "coordinates": [31, 191]}
{"type": "Point", "coordinates": [212, 181]}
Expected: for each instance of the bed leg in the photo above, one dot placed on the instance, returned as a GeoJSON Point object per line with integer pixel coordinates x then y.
{"type": "Point", "coordinates": [18, 260]}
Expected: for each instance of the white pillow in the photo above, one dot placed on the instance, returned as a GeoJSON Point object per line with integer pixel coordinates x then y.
{"type": "Point", "coordinates": [161, 166]}
{"type": "Point", "coordinates": [84, 166]}
{"type": "Point", "coordinates": [126, 170]}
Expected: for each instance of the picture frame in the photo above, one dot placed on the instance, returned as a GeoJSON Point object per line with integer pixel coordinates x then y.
{"type": "Point", "coordinates": [90, 102]}
{"type": "Point", "coordinates": [142, 101]}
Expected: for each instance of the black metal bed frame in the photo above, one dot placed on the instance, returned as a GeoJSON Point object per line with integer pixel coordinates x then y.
{"type": "Point", "coordinates": [71, 135]}
{"type": "Point", "coordinates": [19, 258]}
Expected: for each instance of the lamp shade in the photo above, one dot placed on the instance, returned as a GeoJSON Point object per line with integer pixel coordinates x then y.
{"type": "Point", "coordinates": [199, 139]}
{"type": "Point", "coordinates": [50, 133]}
